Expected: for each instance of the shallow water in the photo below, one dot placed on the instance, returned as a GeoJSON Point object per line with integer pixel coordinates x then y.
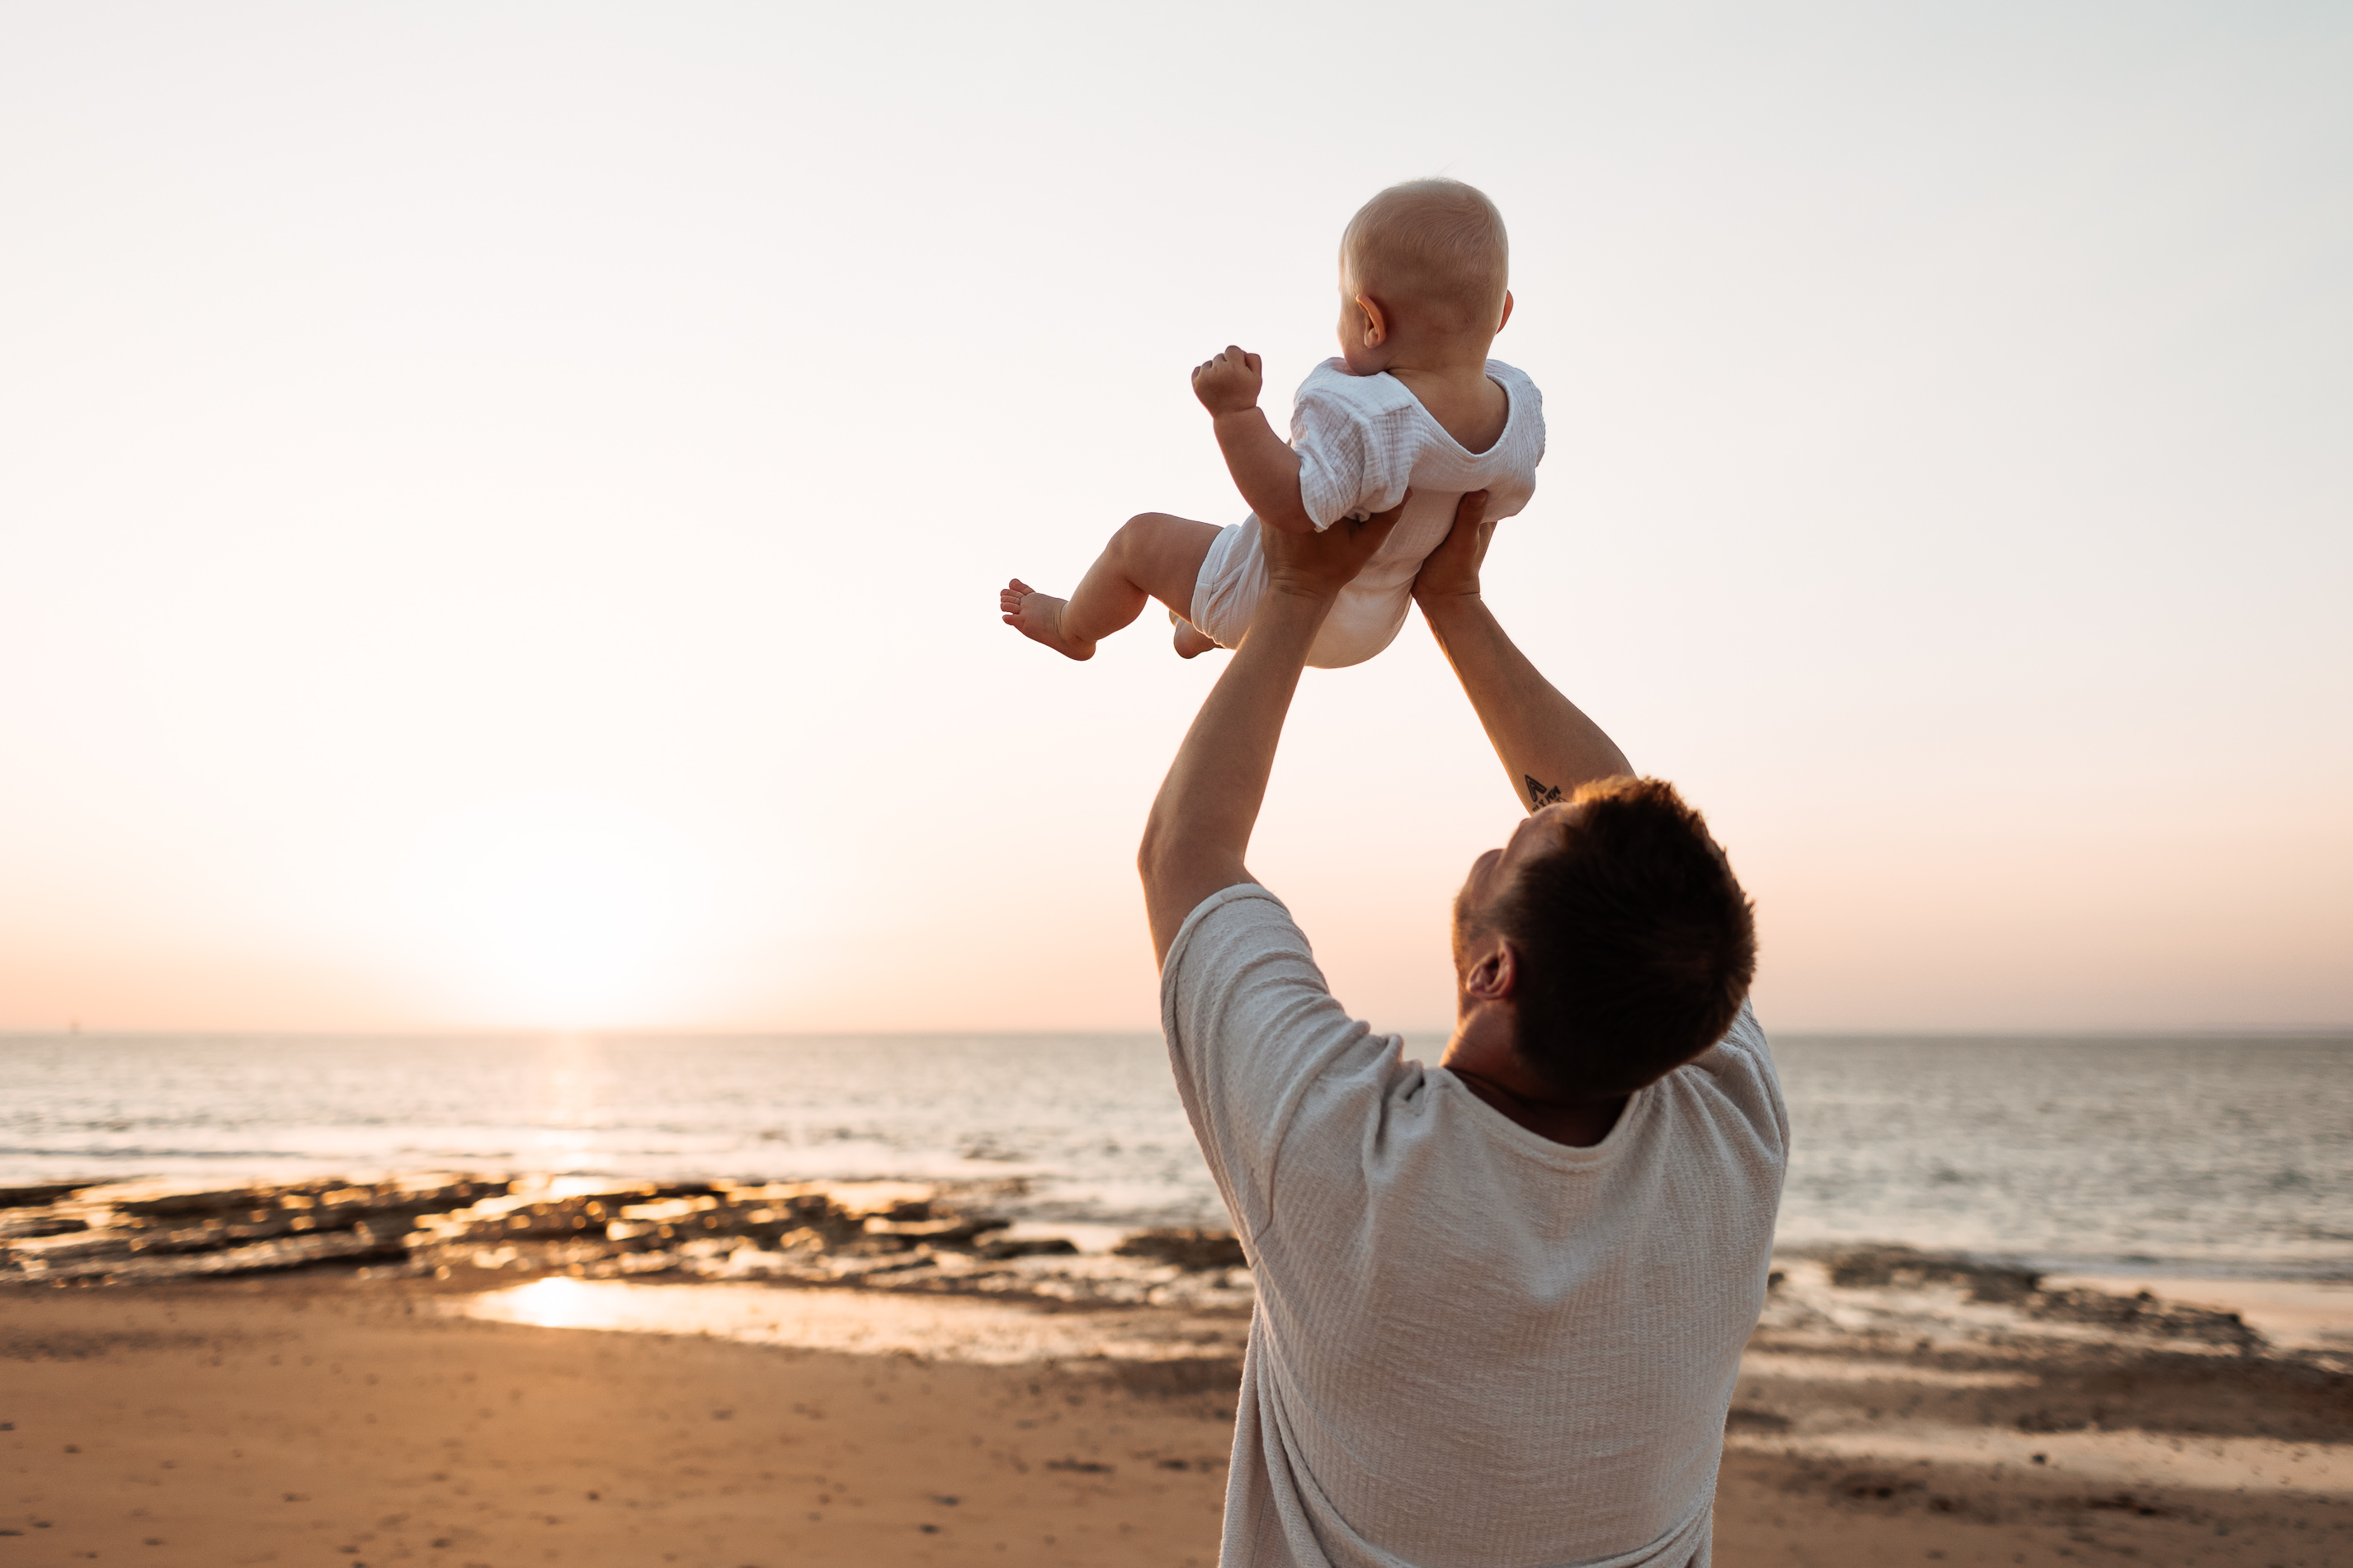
{"type": "Point", "coordinates": [862, 1322]}
{"type": "Point", "coordinates": [2214, 1155]}
{"type": "Point", "coordinates": [2222, 1154]}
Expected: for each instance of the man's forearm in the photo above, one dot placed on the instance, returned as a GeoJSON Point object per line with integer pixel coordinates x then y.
{"type": "Point", "coordinates": [1265, 469]}
{"type": "Point", "coordinates": [1546, 745]}
{"type": "Point", "coordinates": [1201, 821]}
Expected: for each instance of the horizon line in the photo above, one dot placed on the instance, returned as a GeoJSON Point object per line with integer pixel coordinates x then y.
{"type": "Point", "coordinates": [540, 1033]}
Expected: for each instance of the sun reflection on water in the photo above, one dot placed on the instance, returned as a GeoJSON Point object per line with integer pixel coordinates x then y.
{"type": "Point", "coordinates": [949, 1328]}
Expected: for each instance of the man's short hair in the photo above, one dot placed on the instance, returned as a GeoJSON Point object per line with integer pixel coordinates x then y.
{"type": "Point", "coordinates": [1636, 944]}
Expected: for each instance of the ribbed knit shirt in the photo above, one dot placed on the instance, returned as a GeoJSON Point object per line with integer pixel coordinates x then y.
{"type": "Point", "coordinates": [1474, 1347]}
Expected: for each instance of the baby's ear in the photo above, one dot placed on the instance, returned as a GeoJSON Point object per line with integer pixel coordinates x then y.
{"type": "Point", "coordinates": [1507, 311]}
{"type": "Point", "coordinates": [1375, 327]}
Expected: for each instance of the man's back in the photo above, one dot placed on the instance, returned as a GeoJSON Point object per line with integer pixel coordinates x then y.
{"type": "Point", "coordinates": [1473, 1345]}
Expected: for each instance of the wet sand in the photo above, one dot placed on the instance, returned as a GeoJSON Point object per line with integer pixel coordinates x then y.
{"type": "Point", "coordinates": [478, 1375]}
{"type": "Point", "coordinates": [330, 1421]}
{"type": "Point", "coordinates": [325, 1418]}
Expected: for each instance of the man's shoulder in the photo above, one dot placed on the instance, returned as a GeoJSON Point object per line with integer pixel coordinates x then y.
{"type": "Point", "coordinates": [1745, 1033]}
{"type": "Point", "coordinates": [1254, 1035]}
{"type": "Point", "coordinates": [1741, 1048]}
{"type": "Point", "coordinates": [1737, 1071]}
{"type": "Point", "coordinates": [1243, 913]}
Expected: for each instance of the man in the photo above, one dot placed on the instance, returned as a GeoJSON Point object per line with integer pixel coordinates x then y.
{"type": "Point", "coordinates": [1501, 1301]}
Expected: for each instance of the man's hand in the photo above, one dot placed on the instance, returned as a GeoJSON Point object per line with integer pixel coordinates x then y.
{"type": "Point", "coordinates": [1318, 566]}
{"type": "Point", "coordinates": [1451, 571]}
{"type": "Point", "coordinates": [1228, 384]}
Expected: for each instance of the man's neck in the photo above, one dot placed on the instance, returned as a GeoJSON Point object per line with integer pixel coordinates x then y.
{"type": "Point", "coordinates": [1480, 1054]}
{"type": "Point", "coordinates": [1579, 1123]}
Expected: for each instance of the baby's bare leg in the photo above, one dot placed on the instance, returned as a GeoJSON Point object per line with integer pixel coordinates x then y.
{"type": "Point", "coordinates": [1191, 641]}
{"type": "Point", "coordinates": [1153, 557]}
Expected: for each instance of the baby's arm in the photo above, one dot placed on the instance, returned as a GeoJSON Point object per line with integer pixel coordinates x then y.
{"type": "Point", "coordinates": [1265, 469]}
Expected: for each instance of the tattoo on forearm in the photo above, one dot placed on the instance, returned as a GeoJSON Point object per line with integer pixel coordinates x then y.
{"type": "Point", "coordinates": [1542, 794]}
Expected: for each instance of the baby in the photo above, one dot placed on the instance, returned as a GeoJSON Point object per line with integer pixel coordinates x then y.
{"type": "Point", "coordinates": [1413, 403]}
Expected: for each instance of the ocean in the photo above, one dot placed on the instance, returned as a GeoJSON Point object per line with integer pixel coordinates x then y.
{"type": "Point", "coordinates": [2195, 1155]}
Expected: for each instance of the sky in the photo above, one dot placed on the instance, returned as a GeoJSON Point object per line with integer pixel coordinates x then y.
{"type": "Point", "coordinates": [501, 506]}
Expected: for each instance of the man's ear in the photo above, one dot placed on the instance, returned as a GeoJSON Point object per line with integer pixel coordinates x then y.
{"type": "Point", "coordinates": [1373, 325]}
{"type": "Point", "coordinates": [1496, 975]}
{"type": "Point", "coordinates": [1507, 311]}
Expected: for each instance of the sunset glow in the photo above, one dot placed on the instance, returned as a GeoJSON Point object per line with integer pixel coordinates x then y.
{"type": "Point", "coordinates": [552, 916]}
{"type": "Point", "coordinates": [499, 513]}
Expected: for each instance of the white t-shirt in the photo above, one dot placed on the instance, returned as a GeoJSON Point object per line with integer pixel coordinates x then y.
{"type": "Point", "coordinates": [1473, 1346]}
{"type": "Point", "coordinates": [1364, 440]}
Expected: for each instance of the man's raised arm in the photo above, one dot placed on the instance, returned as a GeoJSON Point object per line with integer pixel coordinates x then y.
{"type": "Point", "coordinates": [1201, 822]}
{"type": "Point", "coordinates": [1545, 743]}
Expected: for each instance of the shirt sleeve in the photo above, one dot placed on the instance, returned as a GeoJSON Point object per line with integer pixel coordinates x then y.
{"type": "Point", "coordinates": [1739, 1069]}
{"type": "Point", "coordinates": [1252, 1028]}
{"type": "Point", "coordinates": [1350, 464]}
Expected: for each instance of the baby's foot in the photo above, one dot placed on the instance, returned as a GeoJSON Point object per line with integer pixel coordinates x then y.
{"type": "Point", "coordinates": [1039, 618]}
{"type": "Point", "coordinates": [1192, 642]}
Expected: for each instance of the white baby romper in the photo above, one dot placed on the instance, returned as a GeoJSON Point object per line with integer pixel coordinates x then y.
{"type": "Point", "coordinates": [1363, 441]}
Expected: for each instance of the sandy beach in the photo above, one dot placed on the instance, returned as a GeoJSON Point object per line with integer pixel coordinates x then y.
{"type": "Point", "coordinates": [501, 1407]}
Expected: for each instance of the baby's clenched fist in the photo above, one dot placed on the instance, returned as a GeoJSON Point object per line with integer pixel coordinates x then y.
{"type": "Point", "coordinates": [1230, 382]}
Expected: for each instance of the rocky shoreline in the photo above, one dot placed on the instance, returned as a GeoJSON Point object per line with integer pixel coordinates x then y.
{"type": "Point", "coordinates": [875, 1235]}
{"type": "Point", "coordinates": [480, 1232]}
{"type": "Point", "coordinates": [1901, 1296]}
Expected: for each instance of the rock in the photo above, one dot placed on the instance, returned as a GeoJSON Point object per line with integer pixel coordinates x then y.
{"type": "Point", "coordinates": [1753, 1418]}
{"type": "Point", "coordinates": [268, 1257]}
{"type": "Point", "coordinates": [1002, 1250]}
{"type": "Point", "coordinates": [1903, 1268]}
{"type": "Point", "coordinates": [950, 1232]}
{"type": "Point", "coordinates": [83, 1247]}
{"type": "Point", "coordinates": [230, 1201]}
{"type": "Point", "coordinates": [2145, 1314]}
{"type": "Point", "coordinates": [317, 1210]}
{"type": "Point", "coordinates": [766, 1220]}
{"type": "Point", "coordinates": [40, 1224]}
{"type": "Point", "coordinates": [562, 1220]}
{"type": "Point", "coordinates": [41, 1195]}
{"type": "Point", "coordinates": [1192, 1250]}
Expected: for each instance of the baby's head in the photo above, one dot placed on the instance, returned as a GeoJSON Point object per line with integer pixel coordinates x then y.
{"type": "Point", "coordinates": [1424, 273]}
